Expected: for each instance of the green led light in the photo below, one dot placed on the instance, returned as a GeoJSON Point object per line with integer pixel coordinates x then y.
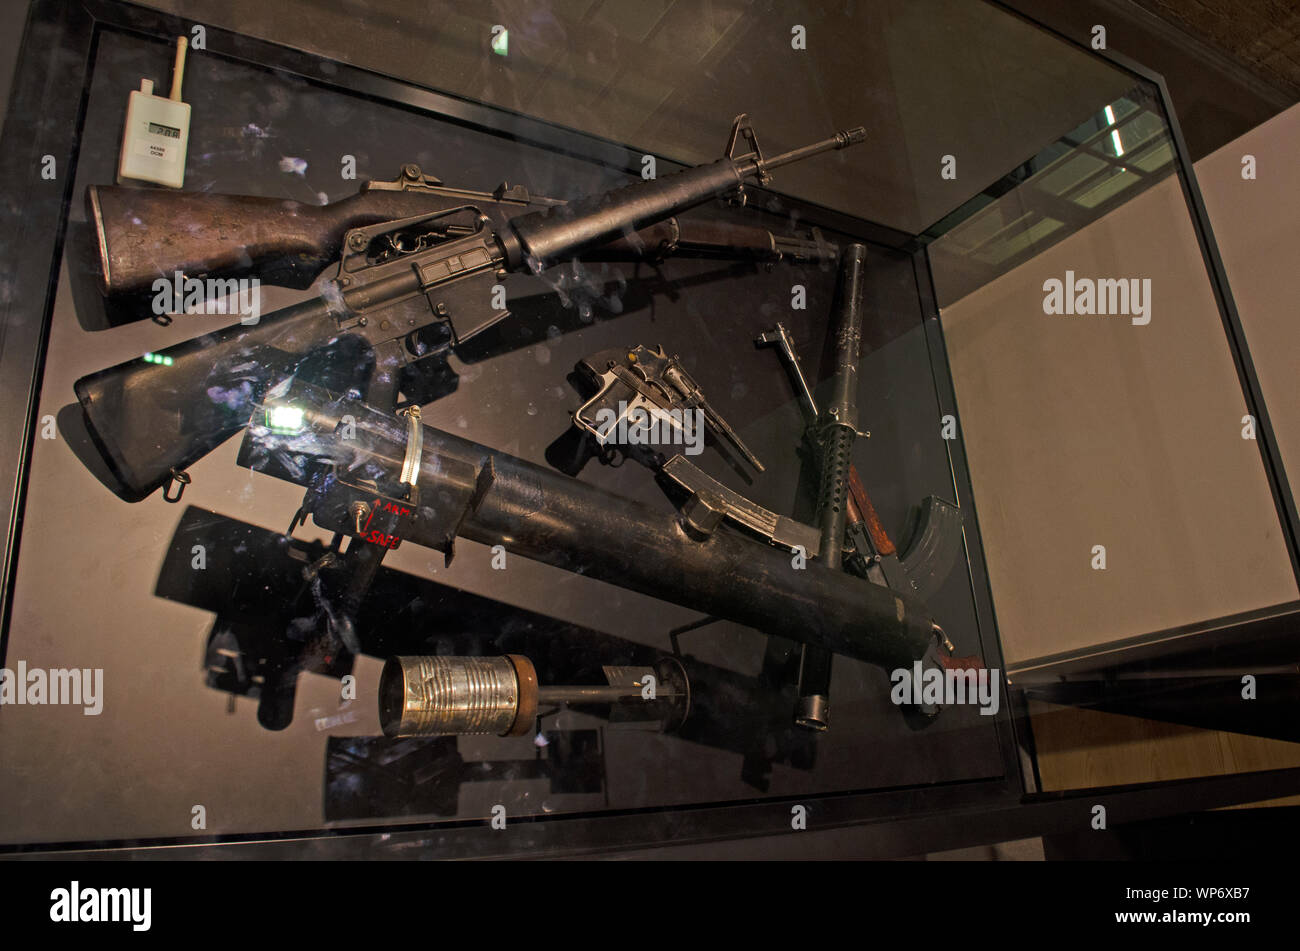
{"type": "Point", "coordinates": [501, 43]}
{"type": "Point", "coordinates": [159, 359]}
{"type": "Point", "coordinates": [284, 419]}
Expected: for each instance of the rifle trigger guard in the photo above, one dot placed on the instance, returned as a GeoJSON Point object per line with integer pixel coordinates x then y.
{"type": "Point", "coordinates": [176, 478]}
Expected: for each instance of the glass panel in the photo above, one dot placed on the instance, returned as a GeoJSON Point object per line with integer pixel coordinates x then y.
{"type": "Point", "coordinates": [1101, 411]}
{"type": "Point", "coordinates": [1087, 172]}
{"type": "Point", "coordinates": [1100, 416]}
{"type": "Point", "coordinates": [220, 673]}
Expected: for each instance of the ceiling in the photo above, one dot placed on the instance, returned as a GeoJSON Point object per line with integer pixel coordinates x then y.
{"type": "Point", "coordinates": [1263, 36]}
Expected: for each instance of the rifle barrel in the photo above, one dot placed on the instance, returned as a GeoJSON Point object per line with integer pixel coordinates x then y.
{"type": "Point", "coordinates": [839, 140]}
{"type": "Point", "coordinates": [541, 238]}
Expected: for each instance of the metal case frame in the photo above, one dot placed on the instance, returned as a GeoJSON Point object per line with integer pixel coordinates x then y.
{"type": "Point", "coordinates": [45, 117]}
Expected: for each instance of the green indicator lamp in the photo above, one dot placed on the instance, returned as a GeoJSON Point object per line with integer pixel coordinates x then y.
{"type": "Point", "coordinates": [284, 419]}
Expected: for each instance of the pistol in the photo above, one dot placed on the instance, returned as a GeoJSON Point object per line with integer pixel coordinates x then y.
{"type": "Point", "coordinates": [646, 398]}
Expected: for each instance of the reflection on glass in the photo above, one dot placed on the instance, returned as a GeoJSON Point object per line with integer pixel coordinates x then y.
{"type": "Point", "coordinates": [1107, 159]}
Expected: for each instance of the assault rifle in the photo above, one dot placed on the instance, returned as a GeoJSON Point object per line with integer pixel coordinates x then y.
{"type": "Point", "coordinates": [403, 289]}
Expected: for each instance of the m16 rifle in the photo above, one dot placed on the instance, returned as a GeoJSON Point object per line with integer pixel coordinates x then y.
{"type": "Point", "coordinates": [403, 290]}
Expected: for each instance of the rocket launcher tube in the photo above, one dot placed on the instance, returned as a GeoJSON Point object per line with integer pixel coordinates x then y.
{"type": "Point", "coordinates": [543, 515]}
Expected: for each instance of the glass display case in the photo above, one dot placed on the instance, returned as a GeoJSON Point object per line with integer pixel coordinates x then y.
{"type": "Point", "coordinates": [946, 412]}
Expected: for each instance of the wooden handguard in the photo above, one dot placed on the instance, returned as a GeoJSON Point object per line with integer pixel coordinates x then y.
{"type": "Point", "coordinates": [861, 510]}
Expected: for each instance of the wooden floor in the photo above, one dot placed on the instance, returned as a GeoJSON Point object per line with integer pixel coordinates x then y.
{"type": "Point", "coordinates": [1085, 748]}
